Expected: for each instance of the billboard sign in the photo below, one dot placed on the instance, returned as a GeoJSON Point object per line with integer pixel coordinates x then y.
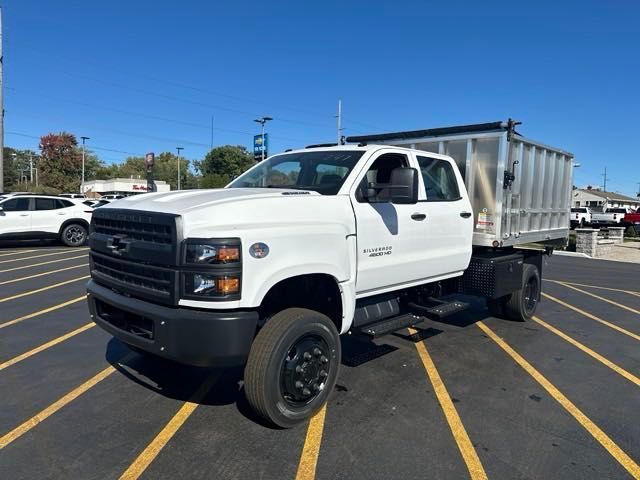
{"type": "Point", "coordinates": [259, 146]}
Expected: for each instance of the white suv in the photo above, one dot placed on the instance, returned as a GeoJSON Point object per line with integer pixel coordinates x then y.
{"type": "Point", "coordinates": [29, 217]}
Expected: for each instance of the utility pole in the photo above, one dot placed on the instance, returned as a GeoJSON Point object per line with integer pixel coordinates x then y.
{"type": "Point", "coordinates": [262, 121]}
{"type": "Point", "coordinates": [339, 117]}
{"type": "Point", "coordinates": [211, 133]}
{"type": "Point", "coordinates": [604, 187]}
{"type": "Point", "coordinates": [1, 110]}
{"type": "Point", "coordinates": [84, 139]}
{"type": "Point", "coordinates": [179, 149]}
{"type": "Point", "coordinates": [30, 167]}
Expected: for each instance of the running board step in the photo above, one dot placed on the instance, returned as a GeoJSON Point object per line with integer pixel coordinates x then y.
{"type": "Point", "coordinates": [390, 325]}
{"type": "Point", "coordinates": [440, 310]}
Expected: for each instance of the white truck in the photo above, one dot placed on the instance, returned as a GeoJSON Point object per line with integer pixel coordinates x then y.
{"type": "Point", "coordinates": [310, 244]}
{"type": "Point", "coordinates": [580, 216]}
{"type": "Point", "coordinates": [609, 216]}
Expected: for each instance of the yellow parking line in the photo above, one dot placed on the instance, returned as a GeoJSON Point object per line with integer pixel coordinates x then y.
{"type": "Point", "coordinates": [43, 274]}
{"type": "Point", "coordinates": [630, 292]}
{"type": "Point", "coordinates": [57, 405]}
{"type": "Point", "coordinates": [45, 346]}
{"type": "Point", "coordinates": [469, 454]}
{"type": "Point", "coordinates": [619, 370]}
{"type": "Point", "coordinates": [592, 317]}
{"type": "Point", "coordinates": [614, 450]}
{"type": "Point", "coordinates": [31, 292]}
{"type": "Point", "coordinates": [41, 312]}
{"type": "Point", "coordinates": [16, 252]}
{"type": "Point", "coordinates": [633, 310]}
{"type": "Point", "coordinates": [152, 450]}
{"type": "Point", "coordinates": [44, 255]}
{"type": "Point", "coordinates": [41, 263]}
{"type": "Point", "coordinates": [311, 448]}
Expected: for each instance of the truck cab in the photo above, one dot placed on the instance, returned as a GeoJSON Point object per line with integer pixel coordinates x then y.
{"type": "Point", "coordinates": [303, 247]}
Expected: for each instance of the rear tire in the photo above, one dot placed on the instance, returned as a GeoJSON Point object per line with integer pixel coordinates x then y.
{"type": "Point", "coordinates": [74, 235]}
{"type": "Point", "coordinates": [293, 366]}
{"type": "Point", "coordinates": [521, 304]}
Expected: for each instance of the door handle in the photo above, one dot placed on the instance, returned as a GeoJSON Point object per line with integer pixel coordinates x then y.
{"type": "Point", "coordinates": [24, 214]}
{"type": "Point", "coordinates": [465, 214]}
{"type": "Point", "coordinates": [418, 217]}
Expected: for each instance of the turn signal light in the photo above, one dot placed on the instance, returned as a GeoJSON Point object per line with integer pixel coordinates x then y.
{"type": "Point", "coordinates": [227, 285]}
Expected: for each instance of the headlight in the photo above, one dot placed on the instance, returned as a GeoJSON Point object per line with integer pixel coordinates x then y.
{"type": "Point", "coordinates": [212, 253]}
{"type": "Point", "coordinates": [199, 284]}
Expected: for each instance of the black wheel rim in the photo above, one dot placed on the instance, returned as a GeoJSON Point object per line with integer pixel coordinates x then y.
{"type": "Point", "coordinates": [305, 370]}
{"type": "Point", "coordinates": [531, 294]}
{"type": "Point", "coordinates": [74, 235]}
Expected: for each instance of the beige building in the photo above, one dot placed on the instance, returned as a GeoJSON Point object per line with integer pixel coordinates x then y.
{"type": "Point", "coordinates": [602, 200]}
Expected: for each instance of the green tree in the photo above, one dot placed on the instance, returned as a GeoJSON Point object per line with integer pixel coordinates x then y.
{"type": "Point", "coordinates": [226, 160]}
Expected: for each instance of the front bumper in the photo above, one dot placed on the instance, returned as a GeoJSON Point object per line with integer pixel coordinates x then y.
{"type": "Point", "coordinates": [195, 337]}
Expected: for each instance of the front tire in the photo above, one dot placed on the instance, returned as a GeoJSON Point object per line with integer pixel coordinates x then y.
{"type": "Point", "coordinates": [293, 366]}
{"type": "Point", "coordinates": [74, 235]}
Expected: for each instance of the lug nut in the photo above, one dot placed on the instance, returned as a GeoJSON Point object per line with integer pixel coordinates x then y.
{"type": "Point", "coordinates": [307, 356]}
{"type": "Point", "coordinates": [299, 369]}
{"type": "Point", "coordinates": [323, 373]}
{"type": "Point", "coordinates": [324, 359]}
{"type": "Point", "coordinates": [306, 391]}
{"type": "Point", "coordinates": [299, 385]}
{"type": "Point", "coordinates": [317, 352]}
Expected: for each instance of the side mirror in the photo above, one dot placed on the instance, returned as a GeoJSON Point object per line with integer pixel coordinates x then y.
{"type": "Point", "coordinates": [404, 185]}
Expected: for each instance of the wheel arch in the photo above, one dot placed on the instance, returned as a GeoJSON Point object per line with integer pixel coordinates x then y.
{"type": "Point", "coordinates": [316, 291]}
{"type": "Point", "coordinates": [70, 221]}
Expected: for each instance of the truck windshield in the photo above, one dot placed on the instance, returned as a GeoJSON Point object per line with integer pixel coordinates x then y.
{"type": "Point", "coordinates": [320, 171]}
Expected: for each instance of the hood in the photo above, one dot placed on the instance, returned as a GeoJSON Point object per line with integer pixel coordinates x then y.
{"type": "Point", "coordinates": [184, 201]}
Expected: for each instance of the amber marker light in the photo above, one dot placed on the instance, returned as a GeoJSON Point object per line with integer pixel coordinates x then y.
{"type": "Point", "coordinates": [228, 254]}
{"type": "Point", "coordinates": [226, 285]}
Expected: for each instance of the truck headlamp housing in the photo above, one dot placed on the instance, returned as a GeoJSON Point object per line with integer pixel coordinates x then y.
{"type": "Point", "coordinates": [206, 285]}
{"type": "Point", "coordinates": [212, 252]}
{"type": "Point", "coordinates": [212, 269]}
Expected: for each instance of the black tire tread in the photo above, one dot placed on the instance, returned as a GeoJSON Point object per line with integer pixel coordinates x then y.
{"type": "Point", "coordinates": [261, 350]}
{"type": "Point", "coordinates": [513, 303]}
{"type": "Point", "coordinates": [74, 224]}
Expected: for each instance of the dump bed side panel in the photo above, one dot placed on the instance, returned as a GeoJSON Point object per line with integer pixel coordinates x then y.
{"type": "Point", "coordinates": [535, 207]}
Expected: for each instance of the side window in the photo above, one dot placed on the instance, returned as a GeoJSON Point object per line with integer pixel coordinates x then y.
{"type": "Point", "coordinates": [380, 173]}
{"type": "Point", "coordinates": [439, 180]}
{"type": "Point", "coordinates": [46, 204]}
{"type": "Point", "coordinates": [16, 205]}
{"type": "Point", "coordinates": [64, 203]}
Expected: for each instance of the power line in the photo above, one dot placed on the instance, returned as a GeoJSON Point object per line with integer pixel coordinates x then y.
{"type": "Point", "coordinates": [146, 115]}
{"type": "Point", "coordinates": [197, 89]}
{"type": "Point", "coordinates": [93, 147]}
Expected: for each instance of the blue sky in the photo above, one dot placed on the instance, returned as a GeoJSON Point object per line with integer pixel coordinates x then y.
{"type": "Point", "coordinates": [141, 75]}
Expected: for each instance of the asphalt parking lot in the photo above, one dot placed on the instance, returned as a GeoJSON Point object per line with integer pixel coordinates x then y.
{"type": "Point", "coordinates": [475, 397]}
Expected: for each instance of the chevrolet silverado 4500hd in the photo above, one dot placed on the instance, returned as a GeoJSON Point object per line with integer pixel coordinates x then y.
{"type": "Point", "coordinates": [307, 245]}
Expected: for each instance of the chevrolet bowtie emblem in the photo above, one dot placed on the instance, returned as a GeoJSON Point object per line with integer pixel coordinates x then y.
{"type": "Point", "coordinates": [118, 244]}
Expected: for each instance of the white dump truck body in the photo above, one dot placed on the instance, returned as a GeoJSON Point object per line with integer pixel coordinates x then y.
{"type": "Point", "coordinates": [532, 206]}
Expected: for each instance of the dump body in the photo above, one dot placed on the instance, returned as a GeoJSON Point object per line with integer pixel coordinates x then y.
{"type": "Point", "coordinates": [532, 207]}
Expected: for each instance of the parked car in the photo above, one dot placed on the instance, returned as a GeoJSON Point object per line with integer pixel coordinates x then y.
{"type": "Point", "coordinates": [72, 195]}
{"type": "Point", "coordinates": [633, 219]}
{"type": "Point", "coordinates": [611, 216]}
{"type": "Point", "coordinates": [29, 217]}
{"type": "Point", "coordinates": [580, 216]}
{"type": "Point", "coordinates": [313, 243]}
{"type": "Point", "coordinates": [112, 196]}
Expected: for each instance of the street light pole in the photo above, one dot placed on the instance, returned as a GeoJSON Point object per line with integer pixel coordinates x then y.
{"type": "Point", "coordinates": [262, 122]}
{"type": "Point", "coordinates": [84, 139]}
{"type": "Point", "coordinates": [179, 149]}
